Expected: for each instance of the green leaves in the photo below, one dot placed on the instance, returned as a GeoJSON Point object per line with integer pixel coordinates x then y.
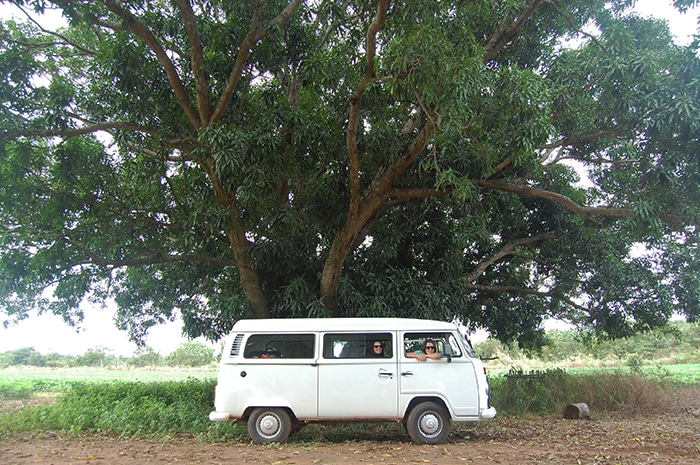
{"type": "Point", "coordinates": [181, 171]}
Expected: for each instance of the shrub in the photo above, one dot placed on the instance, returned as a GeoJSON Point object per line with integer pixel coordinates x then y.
{"type": "Point", "coordinates": [548, 392]}
{"type": "Point", "coordinates": [191, 354]}
{"type": "Point", "coordinates": [127, 409]}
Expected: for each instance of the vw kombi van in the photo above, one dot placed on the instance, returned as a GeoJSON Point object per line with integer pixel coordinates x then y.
{"type": "Point", "coordinates": [279, 375]}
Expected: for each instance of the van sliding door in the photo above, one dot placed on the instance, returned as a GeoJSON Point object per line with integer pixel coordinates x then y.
{"type": "Point", "coordinates": [358, 376]}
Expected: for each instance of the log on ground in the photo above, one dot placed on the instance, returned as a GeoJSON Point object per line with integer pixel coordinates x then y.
{"type": "Point", "coordinates": [577, 412]}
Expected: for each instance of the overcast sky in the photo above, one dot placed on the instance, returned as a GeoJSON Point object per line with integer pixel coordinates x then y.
{"type": "Point", "coordinates": [48, 333]}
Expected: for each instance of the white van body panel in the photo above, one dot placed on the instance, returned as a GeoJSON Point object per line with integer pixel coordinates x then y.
{"type": "Point", "coordinates": [267, 386]}
{"type": "Point", "coordinates": [457, 387]}
{"type": "Point", "coordinates": [303, 369]}
{"type": "Point", "coordinates": [357, 389]}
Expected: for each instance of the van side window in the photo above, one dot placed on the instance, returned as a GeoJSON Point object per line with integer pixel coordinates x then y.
{"type": "Point", "coordinates": [280, 346]}
{"type": "Point", "coordinates": [358, 345]}
{"type": "Point", "coordinates": [414, 342]}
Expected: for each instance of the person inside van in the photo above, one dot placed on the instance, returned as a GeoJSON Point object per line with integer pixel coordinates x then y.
{"type": "Point", "coordinates": [377, 349]}
{"type": "Point", "coordinates": [429, 351]}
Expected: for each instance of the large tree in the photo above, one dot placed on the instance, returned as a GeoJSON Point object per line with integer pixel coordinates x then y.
{"type": "Point", "coordinates": [282, 158]}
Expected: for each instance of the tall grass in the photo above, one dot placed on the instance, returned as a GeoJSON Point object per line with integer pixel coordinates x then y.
{"type": "Point", "coordinates": [126, 408]}
{"type": "Point", "coordinates": [161, 408]}
{"type": "Point", "coordinates": [605, 391]}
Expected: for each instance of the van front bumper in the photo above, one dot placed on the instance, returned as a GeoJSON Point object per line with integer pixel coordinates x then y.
{"type": "Point", "coordinates": [485, 414]}
{"type": "Point", "coordinates": [219, 416]}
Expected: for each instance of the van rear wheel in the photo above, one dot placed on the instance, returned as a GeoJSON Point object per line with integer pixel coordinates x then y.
{"type": "Point", "coordinates": [267, 425]}
{"type": "Point", "coordinates": [428, 423]}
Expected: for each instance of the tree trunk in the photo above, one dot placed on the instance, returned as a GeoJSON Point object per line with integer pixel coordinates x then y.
{"type": "Point", "coordinates": [577, 412]}
{"type": "Point", "coordinates": [333, 267]}
{"type": "Point", "coordinates": [250, 281]}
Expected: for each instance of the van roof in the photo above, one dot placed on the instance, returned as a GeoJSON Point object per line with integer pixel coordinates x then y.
{"type": "Point", "coordinates": [341, 324]}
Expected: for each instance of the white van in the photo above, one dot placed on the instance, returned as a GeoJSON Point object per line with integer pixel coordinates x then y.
{"type": "Point", "coordinates": [277, 375]}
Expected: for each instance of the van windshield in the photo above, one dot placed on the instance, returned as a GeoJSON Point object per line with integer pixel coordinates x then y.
{"type": "Point", "coordinates": [468, 346]}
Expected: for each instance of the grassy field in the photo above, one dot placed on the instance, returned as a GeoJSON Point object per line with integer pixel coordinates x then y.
{"type": "Point", "coordinates": [25, 382]}
{"type": "Point", "coordinates": [104, 374]}
{"type": "Point", "coordinates": [682, 374]}
{"type": "Point", "coordinates": [162, 402]}
{"type": "Point", "coordinates": [28, 381]}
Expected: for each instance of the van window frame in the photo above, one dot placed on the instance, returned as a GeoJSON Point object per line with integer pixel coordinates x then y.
{"type": "Point", "coordinates": [333, 347]}
{"type": "Point", "coordinates": [413, 341]}
{"type": "Point", "coordinates": [280, 346]}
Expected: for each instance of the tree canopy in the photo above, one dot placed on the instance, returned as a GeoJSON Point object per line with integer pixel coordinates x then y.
{"type": "Point", "coordinates": [495, 161]}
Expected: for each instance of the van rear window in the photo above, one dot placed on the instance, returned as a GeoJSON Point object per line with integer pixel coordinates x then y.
{"type": "Point", "coordinates": [280, 346]}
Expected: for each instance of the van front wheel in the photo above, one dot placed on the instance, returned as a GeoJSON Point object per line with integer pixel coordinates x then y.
{"type": "Point", "coordinates": [267, 425]}
{"type": "Point", "coordinates": [428, 423]}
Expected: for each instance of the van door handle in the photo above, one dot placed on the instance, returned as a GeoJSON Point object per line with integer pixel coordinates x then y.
{"type": "Point", "coordinates": [406, 373]}
{"type": "Point", "coordinates": [385, 373]}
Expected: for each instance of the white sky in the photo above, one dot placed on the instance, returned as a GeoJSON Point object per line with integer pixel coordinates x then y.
{"type": "Point", "coordinates": [48, 333]}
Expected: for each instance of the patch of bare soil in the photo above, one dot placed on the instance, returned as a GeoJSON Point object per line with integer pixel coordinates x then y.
{"type": "Point", "coordinates": [652, 439]}
{"type": "Point", "coordinates": [12, 405]}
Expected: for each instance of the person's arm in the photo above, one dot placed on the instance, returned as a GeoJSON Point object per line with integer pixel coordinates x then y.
{"type": "Point", "coordinates": [420, 356]}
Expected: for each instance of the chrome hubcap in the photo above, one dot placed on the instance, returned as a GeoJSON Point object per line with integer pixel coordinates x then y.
{"type": "Point", "coordinates": [430, 424]}
{"type": "Point", "coordinates": [269, 425]}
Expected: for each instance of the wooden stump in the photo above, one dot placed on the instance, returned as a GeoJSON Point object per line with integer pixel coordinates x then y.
{"type": "Point", "coordinates": [577, 412]}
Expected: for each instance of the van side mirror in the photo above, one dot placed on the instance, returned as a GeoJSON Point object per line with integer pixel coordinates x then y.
{"type": "Point", "coordinates": [447, 351]}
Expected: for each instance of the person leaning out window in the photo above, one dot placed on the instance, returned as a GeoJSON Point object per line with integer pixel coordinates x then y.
{"type": "Point", "coordinates": [429, 351]}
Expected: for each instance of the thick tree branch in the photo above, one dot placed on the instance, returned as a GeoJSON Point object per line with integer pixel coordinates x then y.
{"type": "Point", "coordinates": [504, 251]}
{"type": "Point", "coordinates": [141, 31]}
{"type": "Point", "coordinates": [94, 259]}
{"type": "Point", "coordinates": [508, 32]}
{"type": "Point", "coordinates": [355, 107]}
{"type": "Point", "coordinates": [81, 131]}
{"type": "Point", "coordinates": [528, 291]}
{"type": "Point", "coordinates": [418, 192]}
{"type": "Point", "coordinates": [197, 58]}
{"type": "Point", "coordinates": [255, 34]}
{"type": "Point", "coordinates": [539, 193]}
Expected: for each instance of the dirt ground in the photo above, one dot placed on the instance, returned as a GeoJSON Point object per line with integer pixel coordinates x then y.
{"type": "Point", "coordinates": [608, 440]}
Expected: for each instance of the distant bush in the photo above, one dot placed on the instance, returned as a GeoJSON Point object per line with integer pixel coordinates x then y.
{"type": "Point", "coordinates": [191, 354]}
{"type": "Point", "coordinates": [677, 342]}
{"type": "Point", "coordinates": [146, 357]}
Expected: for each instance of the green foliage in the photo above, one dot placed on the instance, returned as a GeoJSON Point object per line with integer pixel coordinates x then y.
{"type": "Point", "coordinates": [126, 409]}
{"type": "Point", "coordinates": [191, 354]}
{"type": "Point", "coordinates": [676, 343]}
{"type": "Point", "coordinates": [146, 357]}
{"type": "Point", "coordinates": [25, 387]}
{"type": "Point", "coordinates": [144, 165]}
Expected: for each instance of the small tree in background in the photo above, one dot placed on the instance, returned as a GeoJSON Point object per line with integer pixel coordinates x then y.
{"type": "Point", "coordinates": [146, 357]}
{"type": "Point", "coordinates": [96, 357]}
{"type": "Point", "coordinates": [190, 354]}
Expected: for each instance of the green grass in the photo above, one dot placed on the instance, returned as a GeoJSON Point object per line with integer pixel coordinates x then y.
{"type": "Point", "coordinates": [126, 408]}
{"type": "Point", "coordinates": [21, 383]}
{"type": "Point", "coordinates": [104, 374]}
{"type": "Point", "coordinates": [150, 404]}
{"type": "Point", "coordinates": [682, 374]}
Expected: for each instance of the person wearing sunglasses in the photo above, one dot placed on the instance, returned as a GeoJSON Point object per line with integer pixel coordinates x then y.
{"type": "Point", "coordinates": [429, 351]}
{"type": "Point", "coordinates": [377, 349]}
